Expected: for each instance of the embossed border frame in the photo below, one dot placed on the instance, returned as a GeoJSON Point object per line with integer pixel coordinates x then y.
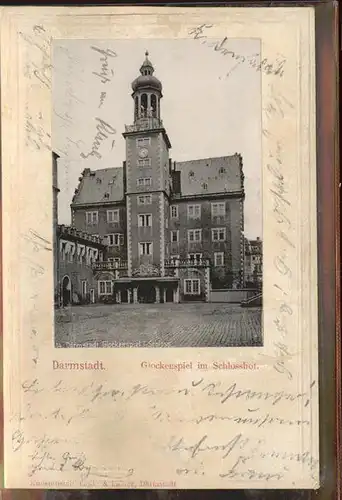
{"type": "Point", "coordinates": [329, 275]}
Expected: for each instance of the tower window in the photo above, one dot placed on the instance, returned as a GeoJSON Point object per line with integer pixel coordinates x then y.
{"type": "Point", "coordinates": [145, 248]}
{"type": "Point", "coordinates": [154, 104]}
{"type": "Point", "coordinates": [145, 162]}
{"type": "Point", "coordinates": [174, 236]}
{"type": "Point", "coordinates": [136, 107]}
{"type": "Point", "coordinates": [145, 199]}
{"type": "Point", "coordinates": [145, 220]}
{"type": "Point", "coordinates": [144, 181]}
{"type": "Point", "coordinates": [143, 141]}
{"type": "Point", "coordinates": [143, 106]}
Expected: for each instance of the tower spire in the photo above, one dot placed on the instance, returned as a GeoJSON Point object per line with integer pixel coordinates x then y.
{"type": "Point", "coordinates": [147, 92]}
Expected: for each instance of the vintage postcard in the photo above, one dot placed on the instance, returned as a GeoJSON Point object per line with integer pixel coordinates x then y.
{"type": "Point", "coordinates": [159, 248]}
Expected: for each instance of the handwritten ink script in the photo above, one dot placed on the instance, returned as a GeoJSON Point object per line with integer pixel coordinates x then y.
{"type": "Point", "coordinates": [105, 73]}
{"type": "Point", "coordinates": [237, 450]}
{"type": "Point", "coordinates": [33, 241]}
{"type": "Point", "coordinates": [276, 67]}
{"type": "Point", "coordinates": [39, 67]}
{"type": "Point", "coordinates": [277, 108]}
{"type": "Point", "coordinates": [244, 450]}
{"type": "Point", "coordinates": [103, 131]}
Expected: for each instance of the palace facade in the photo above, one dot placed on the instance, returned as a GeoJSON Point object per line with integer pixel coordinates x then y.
{"type": "Point", "coordinates": [172, 230]}
{"type": "Point", "coordinates": [75, 254]}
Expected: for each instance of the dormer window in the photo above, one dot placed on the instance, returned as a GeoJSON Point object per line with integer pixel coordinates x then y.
{"type": "Point", "coordinates": [222, 170]}
{"type": "Point", "coordinates": [98, 180]}
{"type": "Point", "coordinates": [191, 174]}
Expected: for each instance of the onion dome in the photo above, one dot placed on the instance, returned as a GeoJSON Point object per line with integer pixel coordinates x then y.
{"type": "Point", "coordinates": [146, 80]}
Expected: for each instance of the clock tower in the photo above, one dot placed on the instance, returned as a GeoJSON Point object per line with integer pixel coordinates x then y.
{"type": "Point", "coordinates": [148, 178]}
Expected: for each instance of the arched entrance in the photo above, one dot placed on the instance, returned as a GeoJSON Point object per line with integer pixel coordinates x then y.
{"type": "Point", "coordinates": [66, 291]}
{"type": "Point", "coordinates": [146, 293]}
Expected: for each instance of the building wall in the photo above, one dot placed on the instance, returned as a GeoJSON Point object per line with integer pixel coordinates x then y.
{"type": "Point", "coordinates": [70, 266]}
{"type": "Point", "coordinates": [232, 247]}
{"type": "Point", "coordinates": [145, 234]}
{"type": "Point", "coordinates": [231, 296]}
{"type": "Point", "coordinates": [103, 227]}
{"type": "Point", "coordinates": [156, 152]}
{"type": "Point", "coordinates": [78, 273]}
{"type": "Point", "coordinates": [158, 172]}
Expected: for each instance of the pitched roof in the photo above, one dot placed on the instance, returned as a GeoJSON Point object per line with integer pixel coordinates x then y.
{"type": "Point", "coordinates": [96, 186]}
{"type": "Point", "coordinates": [211, 175]}
{"type": "Point", "coordinates": [205, 176]}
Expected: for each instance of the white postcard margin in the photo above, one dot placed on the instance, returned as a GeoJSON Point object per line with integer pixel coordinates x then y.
{"type": "Point", "coordinates": [125, 426]}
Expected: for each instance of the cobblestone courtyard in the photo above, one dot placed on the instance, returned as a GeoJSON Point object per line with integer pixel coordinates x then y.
{"type": "Point", "coordinates": [158, 325]}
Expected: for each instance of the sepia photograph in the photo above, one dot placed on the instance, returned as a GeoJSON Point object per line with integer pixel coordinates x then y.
{"type": "Point", "coordinates": [157, 202]}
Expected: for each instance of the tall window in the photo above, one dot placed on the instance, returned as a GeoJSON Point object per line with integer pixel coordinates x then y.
{"type": "Point", "coordinates": [174, 211]}
{"type": "Point", "coordinates": [218, 209]}
{"type": "Point", "coordinates": [218, 259]}
{"type": "Point", "coordinates": [105, 287]}
{"type": "Point", "coordinates": [145, 199]}
{"type": "Point", "coordinates": [218, 234]}
{"type": "Point", "coordinates": [145, 248]}
{"type": "Point", "coordinates": [192, 287]}
{"type": "Point", "coordinates": [154, 104]}
{"type": "Point", "coordinates": [84, 287]}
{"type": "Point", "coordinates": [174, 236]}
{"type": "Point", "coordinates": [115, 239]}
{"type": "Point", "coordinates": [145, 220]}
{"type": "Point", "coordinates": [143, 104]}
{"type": "Point", "coordinates": [194, 211]}
{"type": "Point", "coordinates": [113, 216]}
{"type": "Point", "coordinates": [194, 235]}
{"type": "Point", "coordinates": [136, 107]}
{"type": "Point", "coordinates": [144, 181]}
{"type": "Point", "coordinates": [92, 218]}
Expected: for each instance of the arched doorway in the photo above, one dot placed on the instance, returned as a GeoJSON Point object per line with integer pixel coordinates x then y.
{"type": "Point", "coordinates": [146, 293]}
{"type": "Point", "coordinates": [169, 294]}
{"type": "Point", "coordinates": [66, 291]}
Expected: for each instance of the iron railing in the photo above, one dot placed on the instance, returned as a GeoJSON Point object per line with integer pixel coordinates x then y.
{"type": "Point", "coordinates": [144, 124]}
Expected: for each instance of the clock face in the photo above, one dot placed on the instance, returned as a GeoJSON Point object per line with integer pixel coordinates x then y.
{"type": "Point", "coordinates": [143, 152]}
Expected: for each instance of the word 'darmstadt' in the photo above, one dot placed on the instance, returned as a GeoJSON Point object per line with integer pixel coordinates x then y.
{"type": "Point", "coordinates": [61, 365]}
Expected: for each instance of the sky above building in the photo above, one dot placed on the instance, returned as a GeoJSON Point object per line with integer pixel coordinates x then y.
{"type": "Point", "coordinates": [211, 107]}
